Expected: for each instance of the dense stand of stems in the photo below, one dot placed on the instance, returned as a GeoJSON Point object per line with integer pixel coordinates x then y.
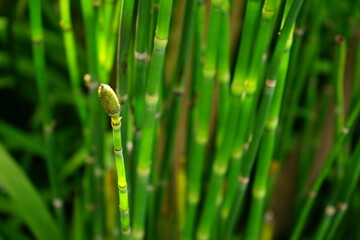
{"type": "Point", "coordinates": [259, 189]}
{"type": "Point", "coordinates": [252, 14]}
{"type": "Point", "coordinates": [202, 114]}
{"type": "Point", "coordinates": [250, 86]}
{"type": "Point", "coordinates": [270, 83]}
{"type": "Point", "coordinates": [270, 107]}
{"type": "Point", "coordinates": [194, 167]}
{"type": "Point", "coordinates": [148, 128]}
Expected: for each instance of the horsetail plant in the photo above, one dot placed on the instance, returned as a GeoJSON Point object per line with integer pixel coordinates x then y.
{"type": "Point", "coordinates": [37, 38]}
{"type": "Point", "coordinates": [270, 84]}
{"type": "Point", "coordinates": [111, 105]}
{"type": "Point", "coordinates": [259, 189]}
{"type": "Point", "coordinates": [148, 129]}
{"type": "Point", "coordinates": [237, 119]}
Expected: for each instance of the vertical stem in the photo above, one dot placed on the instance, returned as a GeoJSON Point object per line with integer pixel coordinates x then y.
{"type": "Point", "coordinates": [122, 70]}
{"type": "Point", "coordinates": [202, 113]}
{"type": "Point", "coordinates": [141, 60]}
{"type": "Point", "coordinates": [111, 105]}
{"type": "Point", "coordinates": [194, 167]}
{"type": "Point", "coordinates": [271, 81]}
{"type": "Point", "coordinates": [90, 11]}
{"type": "Point", "coordinates": [43, 95]}
{"type": "Point", "coordinates": [259, 189]}
{"type": "Point", "coordinates": [148, 131]}
{"type": "Point", "coordinates": [71, 56]}
{"type": "Point", "coordinates": [178, 79]}
{"type": "Point", "coordinates": [340, 139]}
{"type": "Point", "coordinates": [252, 13]}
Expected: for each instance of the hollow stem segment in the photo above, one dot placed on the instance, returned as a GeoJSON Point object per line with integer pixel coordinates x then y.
{"type": "Point", "coordinates": [111, 104]}
{"type": "Point", "coordinates": [149, 126]}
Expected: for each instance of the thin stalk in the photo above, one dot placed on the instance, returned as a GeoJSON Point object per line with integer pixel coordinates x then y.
{"type": "Point", "coordinates": [141, 60]}
{"type": "Point", "coordinates": [223, 152]}
{"type": "Point", "coordinates": [249, 31]}
{"type": "Point", "coordinates": [71, 56]}
{"type": "Point", "coordinates": [309, 54]}
{"type": "Point", "coordinates": [307, 138]}
{"type": "Point", "coordinates": [356, 74]}
{"type": "Point", "coordinates": [340, 139]}
{"type": "Point", "coordinates": [202, 113]}
{"type": "Point", "coordinates": [148, 130]}
{"type": "Point", "coordinates": [223, 71]}
{"type": "Point", "coordinates": [339, 75]}
{"type": "Point", "coordinates": [271, 81]}
{"type": "Point", "coordinates": [259, 190]}
{"type": "Point", "coordinates": [94, 142]}
{"type": "Point", "coordinates": [153, 22]}
{"type": "Point", "coordinates": [108, 9]}
{"type": "Point", "coordinates": [111, 104]}
{"type": "Point", "coordinates": [113, 34]}
{"type": "Point", "coordinates": [346, 189]}
{"type": "Point", "coordinates": [339, 71]}
{"type": "Point", "coordinates": [178, 80]}
{"type": "Point", "coordinates": [47, 118]}
{"type": "Point", "coordinates": [194, 168]}
{"type": "Point", "coordinates": [122, 67]}
{"type": "Point", "coordinates": [178, 90]}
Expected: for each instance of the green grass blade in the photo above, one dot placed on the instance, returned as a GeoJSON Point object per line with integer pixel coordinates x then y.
{"type": "Point", "coordinates": [28, 202]}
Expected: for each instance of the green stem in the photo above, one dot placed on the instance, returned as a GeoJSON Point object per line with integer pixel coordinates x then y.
{"type": "Point", "coordinates": [111, 105]}
{"type": "Point", "coordinates": [148, 130]}
{"type": "Point", "coordinates": [271, 81]}
{"type": "Point", "coordinates": [259, 190]}
{"type": "Point", "coordinates": [202, 113]}
{"type": "Point", "coordinates": [252, 13]}
{"type": "Point", "coordinates": [346, 189]}
{"type": "Point", "coordinates": [178, 77]}
{"type": "Point", "coordinates": [141, 60]}
{"type": "Point", "coordinates": [194, 151]}
{"type": "Point", "coordinates": [122, 67]}
{"type": "Point", "coordinates": [43, 94]}
{"type": "Point", "coordinates": [340, 139]}
{"type": "Point", "coordinates": [71, 56]}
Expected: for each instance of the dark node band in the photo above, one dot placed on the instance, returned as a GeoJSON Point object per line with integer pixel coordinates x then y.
{"type": "Point", "coordinates": [117, 110]}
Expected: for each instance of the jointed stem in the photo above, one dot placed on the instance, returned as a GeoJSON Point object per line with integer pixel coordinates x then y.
{"type": "Point", "coordinates": [148, 129]}
{"type": "Point", "coordinates": [111, 105]}
{"type": "Point", "coordinates": [42, 88]}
